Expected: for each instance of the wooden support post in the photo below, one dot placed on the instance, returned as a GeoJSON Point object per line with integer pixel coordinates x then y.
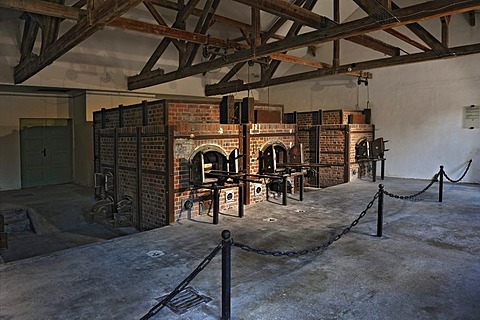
{"type": "Point", "coordinates": [116, 170]}
{"type": "Point", "coordinates": [139, 179]}
{"type": "Point", "coordinates": [445, 30]}
{"type": "Point", "coordinates": [120, 116]}
{"type": "Point", "coordinates": [387, 4]}
{"type": "Point", "coordinates": [3, 234]}
{"type": "Point", "coordinates": [255, 37]}
{"type": "Point", "coordinates": [471, 18]}
{"type": "Point", "coordinates": [170, 176]}
{"type": "Point", "coordinates": [336, 43]}
{"type": "Point", "coordinates": [144, 113]}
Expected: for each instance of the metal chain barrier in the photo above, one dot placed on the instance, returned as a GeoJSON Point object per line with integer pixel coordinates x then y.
{"type": "Point", "coordinates": [159, 306]}
{"type": "Point", "coordinates": [413, 196]}
{"type": "Point", "coordinates": [463, 175]}
{"type": "Point", "coordinates": [321, 247]}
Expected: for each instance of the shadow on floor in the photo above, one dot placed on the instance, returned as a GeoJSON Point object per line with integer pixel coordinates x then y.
{"type": "Point", "coordinates": [59, 219]}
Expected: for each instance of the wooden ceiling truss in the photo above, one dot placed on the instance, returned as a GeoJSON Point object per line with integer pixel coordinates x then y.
{"type": "Point", "coordinates": [199, 52]}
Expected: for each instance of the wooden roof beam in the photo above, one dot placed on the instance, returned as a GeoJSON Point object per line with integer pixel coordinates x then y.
{"type": "Point", "coordinates": [202, 27]}
{"type": "Point", "coordinates": [198, 38]}
{"type": "Point", "coordinates": [268, 73]}
{"type": "Point", "coordinates": [382, 9]}
{"type": "Point", "coordinates": [44, 8]}
{"type": "Point", "coordinates": [198, 12]}
{"type": "Point", "coordinates": [216, 17]}
{"type": "Point", "coordinates": [278, 23]}
{"type": "Point", "coordinates": [299, 61]}
{"type": "Point", "coordinates": [424, 11]}
{"type": "Point", "coordinates": [235, 86]}
{"type": "Point", "coordinates": [108, 11]}
{"type": "Point", "coordinates": [445, 30]}
{"type": "Point", "coordinates": [179, 23]}
{"type": "Point", "coordinates": [173, 33]}
{"type": "Point", "coordinates": [30, 32]}
{"type": "Point", "coordinates": [424, 35]}
{"type": "Point", "coordinates": [306, 17]}
{"type": "Point", "coordinates": [406, 39]}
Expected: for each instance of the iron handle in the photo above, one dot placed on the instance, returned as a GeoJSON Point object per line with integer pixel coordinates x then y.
{"type": "Point", "coordinates": [44, 152]}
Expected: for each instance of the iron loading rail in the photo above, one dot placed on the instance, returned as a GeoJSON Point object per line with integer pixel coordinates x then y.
{"type": "Point", "coordinates": [374, 167]}
{"type": "Point", "coordinates": [216, 197]}
{"type": "Point", "coordinates": [216, 188]}
{"type": "Point", "coordinates": [274, 177]}
{"type": "Point", "coordinates": [242, 175]}
{"type": "Point", "coordinates": [311, 168]}
{"type": "Point", "coordinates": [310, 165]}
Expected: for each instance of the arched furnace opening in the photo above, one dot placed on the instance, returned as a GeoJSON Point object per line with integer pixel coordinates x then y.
{"type": "Point", "coordinates": [272, 158]}
{"type": "Point", "coordinates": [362, 150]}
{"type": "Point", "coordinates": [204, 161]}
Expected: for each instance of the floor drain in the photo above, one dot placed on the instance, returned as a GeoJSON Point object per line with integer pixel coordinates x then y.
{"type": "Point", "coordinates": [155, 253]}
{"type": "Point", "coordinates": [270, 219]}
{"type": "Point", "coordinates": [185, 300]}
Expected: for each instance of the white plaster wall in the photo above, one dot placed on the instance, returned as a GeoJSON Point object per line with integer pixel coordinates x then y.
{"type": "Point", "coordinates": [14, 106]}
{"type": "Point", "coordinates": [417, 107]}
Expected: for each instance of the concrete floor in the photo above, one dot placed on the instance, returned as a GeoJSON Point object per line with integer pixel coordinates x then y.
{"type": "Point", "coordinates": [426, 266]}
{"type": "Point", "coordinates": [59, 220]}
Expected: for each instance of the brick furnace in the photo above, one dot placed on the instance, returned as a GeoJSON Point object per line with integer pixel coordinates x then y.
{"type": "Point", "coordinates": [160, 161]}
{"type": "Point", "coordinates": [331, 139]}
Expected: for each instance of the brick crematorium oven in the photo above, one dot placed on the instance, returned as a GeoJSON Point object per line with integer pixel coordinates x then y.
{"type": "Point", "coordinates": [159, 161]}
{"type": "Point", "coordinates": [339, 141]}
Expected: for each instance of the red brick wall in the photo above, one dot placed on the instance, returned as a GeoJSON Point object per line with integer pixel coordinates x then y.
{"type": "Point", "coordinates": [332, 117]}
{"type": "Point", "coordinates": [332, 152]}
{"type": "Point", "coordinates": [187, 138]}
{"type": "Point", "coordinates": [189, 112]}
{"type": "Point", "coordinates": [153, 170]}
{"type": "Point", "coordinates": [156, 113]}
{"type": "Point", "coordinates": [337, 116]}
{"type": "Point", "coordinates": [261, 136]}
{"type": "Point", "coordinates": [132, 116]}
{"type": "Point", "coordinates": [346, 113]}
{"type": "Point", "coordinates": [154, 177]}
{"type": "Point", "coordinates": [107, 146]}
{"type": "Point", "coordinates": [357, 133]}
{"type": "Point", "coordinates": [127, 158]}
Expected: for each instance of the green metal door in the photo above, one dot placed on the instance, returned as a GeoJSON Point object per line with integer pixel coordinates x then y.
{"type": "Point", "coordinates": [46, 152]}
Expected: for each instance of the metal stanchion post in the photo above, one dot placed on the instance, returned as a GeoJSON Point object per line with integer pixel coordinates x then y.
{"type": "Point", "coordinates": [285, 190]}
{"type": "Point", "coordinates": [380, 211]}
{"type": "Point", "coordinates": [440, 184]}
{"type": "Point", "coordinates": [226, 274]}
{"type": "Point", "coordinates": [301, 186]}
{"type": "Point", "coordinates": [216, 204]}
{"type": "Point", "coordinates": [241, 209]}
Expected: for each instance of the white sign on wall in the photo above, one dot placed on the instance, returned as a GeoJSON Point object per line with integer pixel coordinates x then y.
{"type": "Point", "coordinates": [471, 117]}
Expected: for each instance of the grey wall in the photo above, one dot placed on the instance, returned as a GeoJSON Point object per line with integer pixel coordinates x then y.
{"type": "Point", "coordinates": [14, 106]}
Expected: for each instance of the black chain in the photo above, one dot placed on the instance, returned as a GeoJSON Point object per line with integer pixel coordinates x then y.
{"type": "Point", "coordinates": [320, 247]}
{"type": "Point", "coordinates": [463, 175]}
{"type": "Point", "coordinates": [413, 196]}
{"type": "Point", "coordinates": [159, 306]}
